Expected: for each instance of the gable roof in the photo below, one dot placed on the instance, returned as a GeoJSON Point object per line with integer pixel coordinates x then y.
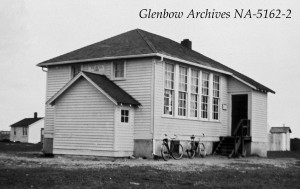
{"type": "Point", "coordinates": [26, 122]}
{"type": "Point", "coordinates": [280, 130]}
{"type": "Point", "coordinates": [112, 91]}
{"type": "Point", "coordinates": [139, 43]}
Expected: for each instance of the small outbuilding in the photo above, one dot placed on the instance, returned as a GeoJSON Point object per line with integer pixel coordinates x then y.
{"type": "Point", "coordinates": [27, 130]}
{"type": "Point", "coordinates": [279, 139]}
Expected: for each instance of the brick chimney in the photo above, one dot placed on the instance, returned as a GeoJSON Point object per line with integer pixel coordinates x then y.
{"type": "Point", "coordinates": [186, 43]}
{"type": "Point", "coordinates": [35, 115]}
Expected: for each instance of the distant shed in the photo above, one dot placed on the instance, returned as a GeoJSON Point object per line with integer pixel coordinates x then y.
{"type": "Point", "coordinates": [4, 135]}
{"type": "Point", "coordinates": [279, 139]}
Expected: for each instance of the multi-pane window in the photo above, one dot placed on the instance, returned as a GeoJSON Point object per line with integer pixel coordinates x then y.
{"type": "Point", "coordinates": [169, 89]}
{"type": "Point", "coordinates": [119, 69]}
{"type": "Point", "coordinates": [216, 97]}
{"type": "Point", "coordinates": [205, 95]}
{"type": "Point", "coordinates": [182, 91]}
{"type": "Point", "coordinates": [194, 93]}
{"type": "Point", "coordinates": [24, 131]}
{"type": "Point", "coordinates": [124, 116]}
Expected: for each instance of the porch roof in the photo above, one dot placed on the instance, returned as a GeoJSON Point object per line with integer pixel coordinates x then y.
{"type": "Point", "coordinates": [112, 91]}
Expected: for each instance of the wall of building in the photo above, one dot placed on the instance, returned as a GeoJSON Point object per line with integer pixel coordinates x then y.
{"type": "Point", "coordinates": [279, 142]}
{"type": "Point", "coordinates": [57, 77]}
{"type": "Point", "coordinates": [137, 83]}
{"type": "Point", "coordinates": [124, 131]}
{"type": "Point", "coordinates": [259, 125]}
{"type": "Point", "coordinates": [84, 121]}
{"type": "Point", "coordinates": [185, 127]}
{"type": "Point", "coordinates": [34, 131]}
{"type": "Point", "coordinates": [18, 137]}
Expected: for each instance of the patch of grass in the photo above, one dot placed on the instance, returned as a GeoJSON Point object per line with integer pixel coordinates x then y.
{"type": "Point", "coordinates": [20, 147]}
{"type": "Point", "coordinates": [283, 154]}
{"type": "Point", "coordinates": [147, 177]}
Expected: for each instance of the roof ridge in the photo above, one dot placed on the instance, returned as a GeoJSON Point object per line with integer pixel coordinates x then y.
{"type": "Point", "coordinates": [149, 43]}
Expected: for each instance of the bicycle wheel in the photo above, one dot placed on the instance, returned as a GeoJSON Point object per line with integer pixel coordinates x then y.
{"type": "Point", "coordinates": [177, 151]}
{"type": "Point", "coordinates": [202, 150]}
{"type": "Point", "coordinates": [190, 151]}
{"type": "Point", "coordinates": [164, 152]}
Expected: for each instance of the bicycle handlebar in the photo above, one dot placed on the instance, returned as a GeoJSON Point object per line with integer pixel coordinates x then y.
{"type": "Point", "coordinates": [175, 136]}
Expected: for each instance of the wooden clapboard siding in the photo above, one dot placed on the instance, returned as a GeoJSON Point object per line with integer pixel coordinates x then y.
{"type": "Point", "coordinates": [235, 86]}
{"type": "Point", "coordinates": [138, 83]}
{"type": "Point", "coordinates": [84, 120]}
{"type": "Point", "coordinates": [259, 125]}
{"type": "Point", "coordinates": [124, 131]}
{"type": "Point", "coordinates": [224, 112]}
{"type": "Point", "coordinates": [186, 127]}
{"type": "Point", "coordinates": [57, 77]}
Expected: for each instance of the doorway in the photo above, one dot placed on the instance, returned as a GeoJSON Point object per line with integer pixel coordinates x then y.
{"type": "Point", "coordinates": [239, 109]}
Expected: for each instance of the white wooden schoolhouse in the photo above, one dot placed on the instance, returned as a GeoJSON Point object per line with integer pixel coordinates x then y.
{"type": "Point", "coordinates": [119, 96]}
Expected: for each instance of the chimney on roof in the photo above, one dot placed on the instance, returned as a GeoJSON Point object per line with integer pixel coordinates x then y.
{"type": "Point", "coordinates": [35, 115]}
{"type": "Point", "coordinates": [186, 43]}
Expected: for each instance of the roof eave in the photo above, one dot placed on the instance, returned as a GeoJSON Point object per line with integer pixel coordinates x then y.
{"type": "Point", "coordinates": [162, 56]}
{"type": "Point", "coordinates": [46, 64]}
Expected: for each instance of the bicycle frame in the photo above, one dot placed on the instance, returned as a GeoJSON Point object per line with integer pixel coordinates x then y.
{"type": "Point", "coordinates": [169, 151]}
{"type": "Point", "coordinates": [194, 145]}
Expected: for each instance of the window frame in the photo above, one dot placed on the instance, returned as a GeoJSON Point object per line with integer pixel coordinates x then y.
{"type": "Point", "coordinates": [170, 89]}
{"type": "Point", "coordinates": [24, 131]}
{"type": "Point", "coordinates": [205, 95]}
{"type": "Point", "coordinates": [213, 112]}
{"type": "Point", "coordinates": [113, 75]}
{"type": "Point", "coordinates": [194, 112]}
{"type": "Point", "coordinates": [197, 88]}
{"type": "Point", "coordinates": [183, 109]}
{"type": "Point", "coordinates": [121, 116]}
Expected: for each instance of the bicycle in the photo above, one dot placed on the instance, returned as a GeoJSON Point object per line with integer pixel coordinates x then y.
{"type": "Point", "coordinates": [175, 150]}
{"type": "Point", "coordinates": [195, 147]}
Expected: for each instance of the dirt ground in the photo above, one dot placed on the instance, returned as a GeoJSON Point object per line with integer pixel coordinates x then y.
{"type": "Point", "coordinates": [29, 169]}
{"type": "Point", "coordinates": [36, 160]}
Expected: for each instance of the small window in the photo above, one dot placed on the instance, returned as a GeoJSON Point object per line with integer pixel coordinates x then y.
{"type": "Point", "coordinates": [76, 69]}
{"type": "Point", "coordinates": [24, 131]}
{"type": "Point", "coordinates": [15, 131]}
{"type": "Point", "coordinates": [124, 116]}
{"type": "Point", "coordinates": [119, 69]}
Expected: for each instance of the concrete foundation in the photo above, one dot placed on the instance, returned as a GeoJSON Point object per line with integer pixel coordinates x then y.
{"type": "Point", "coordinates": [259, 148]}
{"type": "Point", "coordinates": [48, 146]}
{"type": "Point", "coordinates": [208, 146]}
{"type": "Point", "coordinates": [143, 148]}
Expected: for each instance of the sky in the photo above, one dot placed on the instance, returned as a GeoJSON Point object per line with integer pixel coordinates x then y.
{"type": "Point", "coordinates": [265, 49]}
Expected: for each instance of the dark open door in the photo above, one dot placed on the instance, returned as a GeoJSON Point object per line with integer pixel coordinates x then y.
{"type": "Point", "coordinates": [239, 109]}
